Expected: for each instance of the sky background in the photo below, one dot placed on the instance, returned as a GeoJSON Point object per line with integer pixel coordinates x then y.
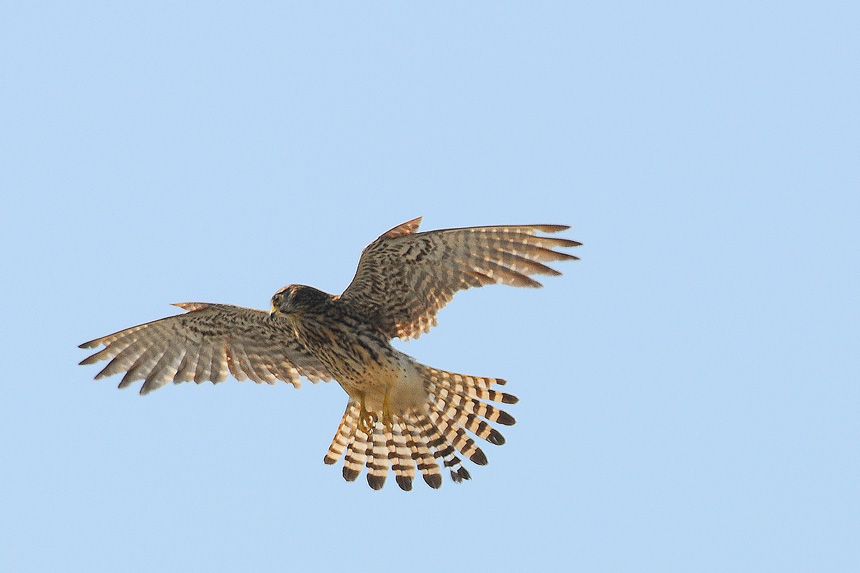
{"type": "Point", "coordinates": [689, 390]}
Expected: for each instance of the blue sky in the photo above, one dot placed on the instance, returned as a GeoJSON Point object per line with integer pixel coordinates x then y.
{"type": "Point", "coordinates": [689, 394]}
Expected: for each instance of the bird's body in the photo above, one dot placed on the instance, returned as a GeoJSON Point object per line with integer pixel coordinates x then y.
{"type": "Point", "coordinates": [400, 413]}
{"type": "Point", "coordinates": [354, 352]}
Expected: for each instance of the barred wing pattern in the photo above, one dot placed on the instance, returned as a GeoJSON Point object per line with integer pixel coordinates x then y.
{"type": "Point", "coordinates": [207, 343]}
{"type": "Point", "coordinates": [404, 278]}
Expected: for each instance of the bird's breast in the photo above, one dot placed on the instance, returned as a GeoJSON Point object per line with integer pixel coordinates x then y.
{"type": "Point", "coordinates": [363, 362]}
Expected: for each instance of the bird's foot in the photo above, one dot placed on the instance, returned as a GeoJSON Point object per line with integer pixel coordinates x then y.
{"type": "Point", "coordinates": [366, 420]}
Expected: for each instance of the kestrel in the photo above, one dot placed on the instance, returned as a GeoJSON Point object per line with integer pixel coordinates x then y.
{"type": "Point", "coordinates": [400, 412]}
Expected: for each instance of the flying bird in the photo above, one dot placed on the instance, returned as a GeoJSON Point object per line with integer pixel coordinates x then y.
{"type": "Point", "coordinates": [400, 414]}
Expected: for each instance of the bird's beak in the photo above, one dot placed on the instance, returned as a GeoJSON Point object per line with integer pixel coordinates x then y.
{"type": "Point", "coordinates": [272, 313]}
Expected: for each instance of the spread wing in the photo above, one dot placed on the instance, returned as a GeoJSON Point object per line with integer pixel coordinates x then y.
{"type": "Point", "coordinates": [404, 278]}
{"type": "Point", "coordinates": [204, 344]}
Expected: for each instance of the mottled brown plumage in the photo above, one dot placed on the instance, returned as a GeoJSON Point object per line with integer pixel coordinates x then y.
{"type": "Point", "coordinates": [401, 414]}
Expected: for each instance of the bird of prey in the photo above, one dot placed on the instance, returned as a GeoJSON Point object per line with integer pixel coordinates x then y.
{"type": "Point", "coordinates": [400, 413]}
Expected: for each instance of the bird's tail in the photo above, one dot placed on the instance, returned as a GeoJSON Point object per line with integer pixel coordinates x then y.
{"type": "Point", "coordinates": [456, 404]}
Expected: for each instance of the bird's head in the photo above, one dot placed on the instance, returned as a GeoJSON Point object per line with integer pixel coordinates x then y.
{"type": "Point", "coordinates": [298, 299]}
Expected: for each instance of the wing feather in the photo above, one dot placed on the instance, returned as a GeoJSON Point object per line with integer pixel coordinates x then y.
{"type": "Point", "coordinates": [404, 277]}
{"type": "Point", "coordinates": [209, 342]}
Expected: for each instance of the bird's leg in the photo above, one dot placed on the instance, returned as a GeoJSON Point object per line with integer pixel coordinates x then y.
{"type": "Point", "coordinates": [386, 409]}
{"type": "Point", "coordinates": [366, 420]}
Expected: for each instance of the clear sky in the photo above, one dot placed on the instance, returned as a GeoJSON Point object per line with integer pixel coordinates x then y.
{"type": "Point", "coordinates": [689, 390]}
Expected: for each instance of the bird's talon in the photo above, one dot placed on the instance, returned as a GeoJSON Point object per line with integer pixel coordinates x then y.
{"type": "Point", "coordinates": [366, 421]}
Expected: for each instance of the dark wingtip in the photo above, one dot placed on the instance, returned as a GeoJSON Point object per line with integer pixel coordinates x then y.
{"type": "Point", "coordinates": [496, 438]}
{"type": "Point", "coordinates": [349, 475]}
{"type": "Point", "coordinates": [569, 243]}
{"type": "Point", "coordinates": [565, 257]}
{"type": "Point", "coordinates": [375, 482]}
{"type": "Point", "coordinates": [509, 399]}
{"type": "Point", "coordinates": [405, 482]}
{"type": "Point", "coordinates": [550, 228]}
{"type": "Point", "coordinates": [328, 460]}
{"type": "Point", "coordinates": [505, 419]}
{"type": "Point", "coordinates": [433, 480]}
{"type": "Point", "coordinates": [479, 457]}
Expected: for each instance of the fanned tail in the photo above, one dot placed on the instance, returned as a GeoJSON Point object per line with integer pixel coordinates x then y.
{"type": "Point", "coordinates": [458, 407]}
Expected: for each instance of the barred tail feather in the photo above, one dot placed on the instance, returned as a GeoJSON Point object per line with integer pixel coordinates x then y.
{"type": "Point", "coordinates": [456, 406]}
{"type": "Point", "coordinates": [459, 408]}
{"type": "Point", "coordinates": [356, 453]}
{"type": "Point", "coordinates": [452, 393]}
{"type": "Point", "coordinates": [463, 403]}
{"type": "Point", "coordinates": [348, 425]}
{"type": "Point", "coordinates": [423, 457]}
{"type": "Point", "coordinates": [455, 436]}
{"type": "Point", "coordinates": [377, 459]}
{"type": "Point", "coordinates": [443, 449]}
{"type": "Point", "coordinates": [401, 456]}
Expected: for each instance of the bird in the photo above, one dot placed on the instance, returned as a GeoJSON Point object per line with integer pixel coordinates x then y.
{"type": "Point", "coordinates": [401, 415]}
